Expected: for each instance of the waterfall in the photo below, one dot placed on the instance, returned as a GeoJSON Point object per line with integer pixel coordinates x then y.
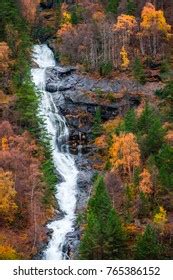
{"type": "Point", "coordinates": [66, 191]}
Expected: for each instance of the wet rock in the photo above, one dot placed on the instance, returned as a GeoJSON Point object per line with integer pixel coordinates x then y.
{"type": "Point", "coordinates": [51, 87]}
{"type": "Point", "coordinates": [64, 88]}
{"type": "Point", "coordinates": [49, 232]}
{"type": "Point", "coordinates": [34, 64]}
{"type": "Point", "coordinates": [84, 179]}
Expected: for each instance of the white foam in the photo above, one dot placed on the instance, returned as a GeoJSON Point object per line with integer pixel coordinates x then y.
{"type": "Point", "coordinates": [64, 162]}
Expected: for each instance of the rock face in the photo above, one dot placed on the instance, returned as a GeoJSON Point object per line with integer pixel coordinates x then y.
{"type": "Point", "coordinates": [78, 97]}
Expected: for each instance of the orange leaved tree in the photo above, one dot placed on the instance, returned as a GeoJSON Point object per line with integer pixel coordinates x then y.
{"type": "Point", "coordinates": [125, 154]}
{"type": "Point", "coordinates": [8, 206]}
{"type": "Point", "coordinates": [146, 185]}
{"type": "Point", "coordinates": [154, 29]}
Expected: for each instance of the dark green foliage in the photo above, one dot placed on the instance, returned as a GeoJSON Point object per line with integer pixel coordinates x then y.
{"type": "Point", "coordinates": [76, 14]}
{"type": "Point", "coordinates": [131, 7]}
{"type": "Point", "coordinates": [106, 68]}
{"type": "Point", "coordinates": [144, 121]}
{"type": "Point", "coordinates": [112, 6]}
{"type": "Point", "coordinates": [130, 122]}
{"type": "Point", "coordinates": [155, 137]}
{"type": "Point", "coordinates": [165, 67]}
{"type": "Point", "coordinates": [27, 105]}
{"type": "Point", "coordinates": [144, 207]}
{"type": "Point", "coordinates": [115, 237]}
{"type": "Point", "coordinates": [136, 177]}
{"type": "Point", "coordinates": [50, 178]}
{"type": "Point", "coordinates": [148, 246]}
{"type": "Point", "coordinates": [164, 162]}
{"type": "Point", "coordinates": [8, 15]}
{"type": "Point", "coordinates": [151, 133]}
{"type": "Point", "coordinates": [102, 198]}
{"type": "Point", "coordinates": [89, 246]}
{"type": "Point", "coordinates": [167, 92]}
{"type": "Point", "coordinates": [138, 71]}
{"type": "Point", "coordinates": [104, 236]}
{"type": "Point", "coordinates": [97, 125]}
{"type": "Point", "coordinates": [42, 33]}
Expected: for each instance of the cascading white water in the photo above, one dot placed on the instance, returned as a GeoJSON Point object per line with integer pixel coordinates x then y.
{"type": "Point", "coordinates": [66, 191]}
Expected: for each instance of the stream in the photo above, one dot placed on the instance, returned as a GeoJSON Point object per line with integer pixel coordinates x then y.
{"type": "Point", "coordinates": [66, 190]}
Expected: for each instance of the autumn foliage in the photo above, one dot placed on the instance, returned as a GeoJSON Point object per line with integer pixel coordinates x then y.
{"type": "Point", "coordinates": [154, 28]}
{"type": "Point", "coordinates": [116, 42]}
{"type": "Point", "coordinates": [29, 8]}
{"type": "Point", "coordinates": [8, 193]}
{"type": "Point", "coordinates": [146, 185]}
{"type": "Point", "coordinates": [4, 57]}
{"type": "Point", "coordinates": [125, 154]}
{"type": "Point", "coordinates": [21, 186]}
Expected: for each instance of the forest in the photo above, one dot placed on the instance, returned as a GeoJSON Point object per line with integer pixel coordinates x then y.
{"type": "Point", "coordinates": [121, 118]}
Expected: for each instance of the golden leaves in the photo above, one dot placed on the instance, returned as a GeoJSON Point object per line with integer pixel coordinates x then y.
{"type": "Point", "coordinates": [8, 206]}
{"type": "Point", "coordinates": [125, 153]}
{"type": "Point", "coordinates": [160, 218]}
{"type": "Point", "coordinates": [4, 144]}
{"type": "Point", "coordinates": [153, 20]}
{"type": "Point", "coordinates": [124, 58]}
{"type": "Point", "coordinates": [7, 253]}
{"type": "Point", "coordinates": [125, 22]}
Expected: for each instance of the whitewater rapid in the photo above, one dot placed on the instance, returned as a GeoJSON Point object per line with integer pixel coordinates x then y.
{"type": "Point", "coordinates": [66, 191]}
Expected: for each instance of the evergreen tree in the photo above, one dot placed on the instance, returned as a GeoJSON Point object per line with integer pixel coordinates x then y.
{"type": "Point", "coordinates": [155, 137]}
{"type": "Point", "coordinates": [151, 133]}
{"type": "Point", "coordinates": [97, 126]}
{"type": "Point", "coordinates": [145, 119]}
{"type": "Point", "coordinates": [131, 7]}
{"type": "Point", "coordinates": [138, 72]}
{"type": "Point", "coordinates": [100, 202]}
{"type": "Point", "coordinates": [166, 94]}
{"type": "Point", "coordinates": [148, 246]}
{"type": "Point", "coordinates": [115, 237]}
{"type": "Point", "coordinates": [164, 162]}
{"type": "Point", "coordinates": [104, 236]}
{"type": "Point", "coordinates": [113, 6]}
{"type": "Point", "coordinates": [27, 105]}
{"type": "Point", "coordinates": [145, 206]}
{"type": "Point", "coordinates": [90, 243]}
{"type": "Point", "coordinates": [130, 122]}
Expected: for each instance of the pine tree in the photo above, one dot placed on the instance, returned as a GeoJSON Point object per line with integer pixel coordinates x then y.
{"type": "Point", "coordinates": [104, 236]}
{"type": "Point", "coordinates": [166, 94]}
{"type": "Point", "coordinates": [97, 125]}
{"type": "Point", "coordinates": [100, 202]}
{"type": "Point", "coordinates": [148, 246]}
{"type": "Point", "coordinates": [131, 7]}
{"type": "Point", "coordinates": [151, 131]}
{"type": "Point", "coordinates": [130, 122]}
{"type": "Point", "coordinates": [145, 119]}
{"type": "Point", "coordinates": [138, 72]}
{"type": "Point", "coordinates": [115, 237]}
{"type": "Point", "coordinates": [90, 245]}
{"type": "Point", "coordinates": [164, 162]}
{"type": "Point", "coordinates": [113, 6]}
{"type": "Point", "coordinates": [155, 137]}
